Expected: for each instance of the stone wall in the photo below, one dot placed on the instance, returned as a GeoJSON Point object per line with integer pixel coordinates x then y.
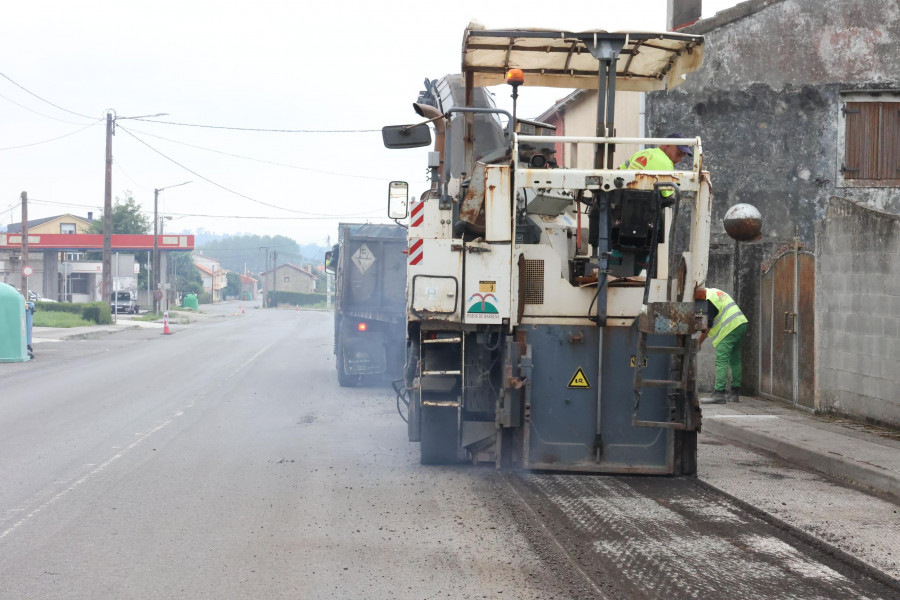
{"type": "Point", "coordinates": [767, 105]}
{"type": "Point", "coordinates": [858, 312]}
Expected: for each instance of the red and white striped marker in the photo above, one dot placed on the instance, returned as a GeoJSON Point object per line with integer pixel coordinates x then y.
{"type": "Point", "coordinates": [417, 214]}
{"type": "Point", "coordinates": [416, 252]}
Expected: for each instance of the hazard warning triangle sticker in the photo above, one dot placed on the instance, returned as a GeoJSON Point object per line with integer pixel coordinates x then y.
{"type": "Point", "coordinates": [579, 380]}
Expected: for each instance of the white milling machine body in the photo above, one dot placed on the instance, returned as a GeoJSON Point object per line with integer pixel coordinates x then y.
{"type": "Point", "coordinates": [531, 342]}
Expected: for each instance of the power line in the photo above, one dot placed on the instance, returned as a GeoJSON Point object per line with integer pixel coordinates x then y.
{"type": "Point", "coordinates": [367, 215]}
{"type": "Point", "coordinates": [268, 162]}
{"type": "Point", "coordinates": [219, 185]}
{"type": "Point", "coordinates": [259, 129]}
{"type": "Point", "coordinates": [71, 112]}
{"type": "Point", "coordinates": [52, 139]}
{"type": "Point", "coordinates": [11, 101]}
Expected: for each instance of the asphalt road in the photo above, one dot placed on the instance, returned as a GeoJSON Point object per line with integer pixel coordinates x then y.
{"type": "Point", "coordinates": [224, 461]}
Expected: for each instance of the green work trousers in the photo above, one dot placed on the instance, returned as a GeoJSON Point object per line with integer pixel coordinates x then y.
{"type": "Point", "coordinates": [728, 356]}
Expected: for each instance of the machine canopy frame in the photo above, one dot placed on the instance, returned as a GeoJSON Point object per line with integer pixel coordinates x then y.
{"type": "Point", "coordinates": [648, 61]}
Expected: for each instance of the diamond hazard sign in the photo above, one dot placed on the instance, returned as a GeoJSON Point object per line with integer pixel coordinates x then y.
{"type": "Point", "coordinates": [579, 380]}
{"type": "Point", "coordinates": [363, 258]}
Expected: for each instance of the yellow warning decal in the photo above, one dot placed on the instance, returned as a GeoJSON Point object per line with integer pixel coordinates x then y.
{"type": "Point", "coordinates": [634, 360]}
{"type": "Point", "coordinates": [579, 380]}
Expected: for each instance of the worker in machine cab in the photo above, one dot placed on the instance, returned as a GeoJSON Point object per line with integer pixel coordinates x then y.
{"type": "Point", "coordinates": [727, 326]}
{"type": "Point", "coordinates": [663, 158]}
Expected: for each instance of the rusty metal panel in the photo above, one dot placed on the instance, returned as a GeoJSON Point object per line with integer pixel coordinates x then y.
{"type": "Point", "coordinates": [671, 318]}
{"type": "Point", "coordinates": [786, 328]}
{"type": "Point", "coordinates": [889, 155]}
{"type": "Point", "coordinates": [806, 330]}
{"type": "Point", "coordinates": [861, 140]}
{"type": "Point", "coordinates": [782, 347]}
{"type": "Point", "coordinates": [766, 289]}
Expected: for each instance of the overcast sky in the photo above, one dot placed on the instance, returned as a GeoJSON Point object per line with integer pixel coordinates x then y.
{"type": "Point", "coordinates": [323, 67]}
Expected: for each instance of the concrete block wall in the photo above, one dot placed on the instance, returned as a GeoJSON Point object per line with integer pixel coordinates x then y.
{"type": "Point", "coordinates": [858, 312]}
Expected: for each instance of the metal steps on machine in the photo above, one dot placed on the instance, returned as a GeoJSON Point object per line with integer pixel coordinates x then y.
{"type": "Point", "coordinates": [673, 320]}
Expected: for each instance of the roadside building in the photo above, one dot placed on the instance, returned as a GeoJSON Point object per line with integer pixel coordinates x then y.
{"type": "Point", "coordinates": [289, 278]}
{"type": "Point", "coordinates": [58, 275]}
{"type": "Point", "coordinates": [797, 105]}
{"type": "Point", "coordinates": [212, 275]}
{"type": "Point", "coordinates": [249, 287]}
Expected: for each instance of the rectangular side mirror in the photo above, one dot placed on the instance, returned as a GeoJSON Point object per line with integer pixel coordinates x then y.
{"type": "Point", "coordinates": [406, 136]}
{"type": "Point", "coordinates": [398, 200]}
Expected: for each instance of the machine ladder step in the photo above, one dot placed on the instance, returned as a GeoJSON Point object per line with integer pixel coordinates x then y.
{"type": "Point", "coordinates": [681, 415]}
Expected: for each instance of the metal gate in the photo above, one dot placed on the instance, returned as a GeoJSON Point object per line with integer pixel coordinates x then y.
{"type": "Point", "coordinates": [786, 336]}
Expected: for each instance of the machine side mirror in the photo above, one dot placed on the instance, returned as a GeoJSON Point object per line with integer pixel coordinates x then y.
{"type": "Point", "coordinates": [398, 200]}
{"type": "Point", "coordinates": [406, 136]}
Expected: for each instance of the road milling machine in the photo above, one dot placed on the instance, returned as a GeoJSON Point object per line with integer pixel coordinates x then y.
{"type": "Point", "coordinates": [550, 311]}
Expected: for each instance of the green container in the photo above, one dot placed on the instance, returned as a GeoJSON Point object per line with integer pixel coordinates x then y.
{"type": "Point", "coordinates": [13, 334]}
{"type": "Point", "coordinates": [190, 301]}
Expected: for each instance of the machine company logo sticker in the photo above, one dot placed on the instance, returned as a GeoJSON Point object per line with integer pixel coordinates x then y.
{"type": "Point", "coordinates": [483, 304]}
{"type": "Point", "coordinates": [579, 380]}
{"type": "Point", "coordinates": [363, 258]}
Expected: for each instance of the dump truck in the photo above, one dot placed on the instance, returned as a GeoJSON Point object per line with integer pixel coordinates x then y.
{"type": "Point", "coordinates": [369, 266]}
{"type": "Point", "coordinates": [536, 338]}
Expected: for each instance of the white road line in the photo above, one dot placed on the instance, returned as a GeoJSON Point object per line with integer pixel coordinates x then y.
{"type": "Point", "coordinates": [75, 485]}
{"type": "Point", "coordinates": [100, 468]}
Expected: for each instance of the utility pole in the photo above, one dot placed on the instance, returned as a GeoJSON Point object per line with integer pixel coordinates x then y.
{"type": "Point", "coordinates": [155, 254]}
{"type": "Point", "coordinates": [265, 276]}
{"type": "Point", "coordinates": [24, 244]}
{"type": "Point", "coordinates": [106, 285]}
{"type": "Point", "coordinates": [274, 277]}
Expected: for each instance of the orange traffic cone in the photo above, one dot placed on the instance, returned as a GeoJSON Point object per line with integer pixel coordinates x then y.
{"type": "Point", "coordinates": [242, 310]}
{"type": "Point", "coordinates": [166, 330]}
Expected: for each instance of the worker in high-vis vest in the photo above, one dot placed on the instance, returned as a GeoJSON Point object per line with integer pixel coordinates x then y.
{"type": "Point", "coordinates": [663, 158]}
{"type": "Point", "coordinates": [727, 326]}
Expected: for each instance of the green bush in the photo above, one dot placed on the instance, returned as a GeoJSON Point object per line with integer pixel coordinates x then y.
{"type": "Point", "coordinates": [98, 312]}
{"type": "Point", "coordinates": [67, 307]}
{"type": "Point", "coordinates": [295, 298]}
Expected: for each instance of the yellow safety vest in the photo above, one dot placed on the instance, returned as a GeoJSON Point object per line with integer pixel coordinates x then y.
{"type": "Point", "coordinates": [651, 159]}
{"type": "Point", "coordinates": [729, 317]}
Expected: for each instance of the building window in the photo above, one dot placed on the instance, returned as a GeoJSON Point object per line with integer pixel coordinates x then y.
{"type": "Point", "coordinates": [79, 283]}
{"type": "Point", "coordinates": [871, 139]}
{"type": "Point", "coordinates": [287, 279]}
{"type": "Point", "coordinates": [67, 227]}
{"type": "Point", "coordinates": [74, 256]}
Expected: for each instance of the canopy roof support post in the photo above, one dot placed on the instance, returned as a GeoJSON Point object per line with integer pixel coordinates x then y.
{"type": "Point", "coordinates": [607, 52]}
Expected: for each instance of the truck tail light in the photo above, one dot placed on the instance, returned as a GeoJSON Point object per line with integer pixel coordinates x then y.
{"type": "Point", "coordinates": [362, 326]}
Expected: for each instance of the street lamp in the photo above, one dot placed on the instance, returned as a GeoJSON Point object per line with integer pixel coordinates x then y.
{"type": "Point", "coordinates": [155, 244]}
{"type": "Point", "coordinates": [111, 118]}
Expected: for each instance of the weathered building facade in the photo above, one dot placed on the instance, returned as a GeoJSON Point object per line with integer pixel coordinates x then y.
{"type": "Point", "coordinates": [798, 102]}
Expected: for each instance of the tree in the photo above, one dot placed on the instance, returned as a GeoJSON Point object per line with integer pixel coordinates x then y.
{"type": "Point", "coordinates": [236, 253]}
{"type": "Point", "coordinates": [233, 289]}
{"type": "Point", "coordinates": [126, 217]}
{"type": "Point", "coordinates": [187, 277]}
